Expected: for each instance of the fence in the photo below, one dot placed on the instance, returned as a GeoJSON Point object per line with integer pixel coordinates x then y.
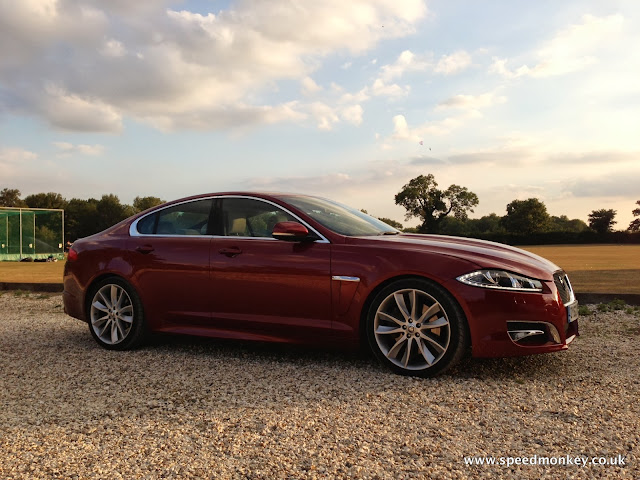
{"type": "Point", "coordinates": [31, 233]}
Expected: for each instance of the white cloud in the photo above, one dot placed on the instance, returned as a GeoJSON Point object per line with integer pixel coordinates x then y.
{"type": "Point", "coordinates": [352, 114]}
{"type": "Point", "coordinates": [13, 160]}
{"type": "Point", "coordinates": [113, 48]}
{"type": "Point", "coordinates": [238, 116]}
{"type": "Point", "coordinates": [309, 87]}
{"type": "Point", "coordinates": [312, 184]}
{"type": "Point", "coordinates": [325, 115]}
{"type": "Point", "coordinates": [72, 112]}
{"type": "Point", "coordinates": [67, 149]}
{"type": "Point", "coordinates": [402, 131]}
{"type": "Point", "coordinates": [176, 69]}
{"type": "Point", "coordinates": [471, 102]}
{"type": "Point", "coordinates": [360, 96]}
{"type": "Point", "coordinates": [572, 49]}
{"type": "Point", "coordinates": [379, 88]}
{"type": "Point", "coordinates": [406, 62]}
{"type": "Point", "coordinates": [16, 155]}
{"type": "Point", "coordinates": [454, 63]}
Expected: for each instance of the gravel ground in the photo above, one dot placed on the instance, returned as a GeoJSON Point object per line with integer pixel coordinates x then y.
{"type": "Point", "coordinates": [192, 408]}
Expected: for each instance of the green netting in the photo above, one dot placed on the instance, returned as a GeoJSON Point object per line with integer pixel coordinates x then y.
{"type": "Point", "coordinates": [28, 233]}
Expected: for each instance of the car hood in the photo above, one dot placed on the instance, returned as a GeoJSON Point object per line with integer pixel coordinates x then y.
{"type": "Point", "coordinates": [483, 253]}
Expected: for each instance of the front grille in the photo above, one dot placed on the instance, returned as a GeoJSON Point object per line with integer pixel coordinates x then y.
{"type": "Point", "coordinates": [564, 286]}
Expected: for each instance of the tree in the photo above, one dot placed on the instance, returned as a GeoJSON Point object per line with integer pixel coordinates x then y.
{"type": "Point", "coordinates": [491, 223]}
{"type": "Point", "coordinates": [142, 203]}
{"type": "Point", "coordinates": [563, 224]}
{"type": "Point", "coordinates": [602, 221]}
{"type": "Point", "coordinates": [388, 221]}
{"type": "Point", "coordinates": [526, 217]}
{"type": "Point", "coordinates": [422, 199]}
{"type": "Point", "coordinates": [86, 217]}
{"type": "Point", "coordinates": [110, 211]}
{"type": "Point", "coordinates": [634, 226]}
{"type": "Point", "coordinates": [391, 223]}
{"type": "Point", "coordinates": [10, 197]}
{"type": "Point", "coordinates": [46, 200]}
{"type": "Point", "coordinates": [81, 218]}
{"type": "Point", "coordinates": [454, 226]}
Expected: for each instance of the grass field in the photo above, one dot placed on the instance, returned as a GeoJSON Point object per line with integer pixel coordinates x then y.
{"type": "Point", "coordinates": [596, 268]}
{"type": "Point", "coordinates": [31, 272]}
{"type": "Point", "coordinates": [591, 268]}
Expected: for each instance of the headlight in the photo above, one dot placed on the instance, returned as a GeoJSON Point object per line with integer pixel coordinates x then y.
{"type": "Point", "coordinates": [501, 280]}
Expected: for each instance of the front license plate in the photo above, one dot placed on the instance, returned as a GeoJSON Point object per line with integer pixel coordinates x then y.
{"type": "Point", "coordinates": [572, 312]}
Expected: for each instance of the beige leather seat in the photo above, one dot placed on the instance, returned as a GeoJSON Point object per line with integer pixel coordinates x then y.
{"type": "Point", "coordinates": [238, 227]}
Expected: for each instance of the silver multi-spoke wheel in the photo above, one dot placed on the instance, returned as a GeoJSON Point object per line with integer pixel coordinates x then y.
{"type": "Point", "coordinates": [112, 314]}
{"type": "Point", "coordinates": [412, 329]}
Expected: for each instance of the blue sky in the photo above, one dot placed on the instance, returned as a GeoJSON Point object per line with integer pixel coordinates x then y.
{"type": "Point", "coordinates": [349, 100]}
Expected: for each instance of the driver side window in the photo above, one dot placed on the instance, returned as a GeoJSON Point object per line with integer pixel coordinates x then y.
{"type": "Point", "coordinates": [247, 217]}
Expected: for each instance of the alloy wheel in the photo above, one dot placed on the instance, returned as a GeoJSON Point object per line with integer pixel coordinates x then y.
{"type": "Point", "coordinates": [112, 314]}
{"type": "Point", "coordinates": [412, 329]}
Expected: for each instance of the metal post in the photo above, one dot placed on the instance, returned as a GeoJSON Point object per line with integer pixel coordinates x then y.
{"type": "Point", "coordinates": [34, 234]}
{"type": "Point", "coordinates": [63, 243]}
{"type": "Point", "coordinates": [20, 234]}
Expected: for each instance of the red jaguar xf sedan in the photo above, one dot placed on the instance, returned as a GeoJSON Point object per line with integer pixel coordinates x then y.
{"type": "Point", "coordinates": [306, 270]}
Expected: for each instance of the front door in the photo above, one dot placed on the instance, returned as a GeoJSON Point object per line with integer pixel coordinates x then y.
{"type": "Point", "coordinates": [263, 288]}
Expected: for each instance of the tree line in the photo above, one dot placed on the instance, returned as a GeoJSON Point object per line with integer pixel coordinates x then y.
{"type": "Point", "coordinates": [446, 212]}
{"type": "Point", "coordinates": [439, 211]}
{"type": "Point", "coordinates": [81, 217]}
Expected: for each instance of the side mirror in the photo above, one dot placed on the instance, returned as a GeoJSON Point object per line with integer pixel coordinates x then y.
{"type": "Point", "coordinates": [292, 232]}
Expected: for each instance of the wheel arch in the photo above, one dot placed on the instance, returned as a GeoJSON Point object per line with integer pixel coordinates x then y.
{"type": "Point", "coordinates": [362, 331]}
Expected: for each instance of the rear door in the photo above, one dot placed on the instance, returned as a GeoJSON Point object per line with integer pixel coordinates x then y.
{"type": "Point", "coordinates": [169, 250]}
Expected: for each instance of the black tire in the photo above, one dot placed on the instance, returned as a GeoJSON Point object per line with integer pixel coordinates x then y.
{"type": "Point", "coordinates": [415, 327]}
{"type": "Point", "coordinates": [116, 315]}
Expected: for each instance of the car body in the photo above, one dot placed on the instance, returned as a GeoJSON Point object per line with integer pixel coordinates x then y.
{"type": "Point", "coordinates": [305, 270]}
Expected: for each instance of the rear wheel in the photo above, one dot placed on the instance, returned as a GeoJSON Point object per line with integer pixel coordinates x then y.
{"type": "Point", "coordinates": [116, 318]}
{"type": "Point", "coordinates": [415, 327]}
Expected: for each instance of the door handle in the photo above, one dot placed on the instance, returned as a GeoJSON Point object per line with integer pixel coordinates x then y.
{"type": "Point", "coordinates": [230, 251]}
{"type": "Point", "coordinates": [144, 249]}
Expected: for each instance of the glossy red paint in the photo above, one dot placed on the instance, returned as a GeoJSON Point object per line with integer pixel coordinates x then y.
{"type": "Point", "coordinates": [311, 292]}
{"type": "Point", "coordinates": [290, 231]}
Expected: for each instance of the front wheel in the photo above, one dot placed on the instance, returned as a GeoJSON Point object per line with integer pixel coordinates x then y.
{"type": "Point", "coordinates": [116, 318]}
{"type": "Point", "coordinates": [416, 328]}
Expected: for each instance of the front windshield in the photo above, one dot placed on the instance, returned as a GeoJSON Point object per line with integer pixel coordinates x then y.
{"type": "Point", "coordinates": [340, 218]}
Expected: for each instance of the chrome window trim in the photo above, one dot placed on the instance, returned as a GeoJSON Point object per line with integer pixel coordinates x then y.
{"type": "Point", "coordinates": [133, 230]}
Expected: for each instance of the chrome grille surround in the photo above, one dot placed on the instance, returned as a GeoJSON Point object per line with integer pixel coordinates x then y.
{"type": "Point", "coordinates": [561, 280]}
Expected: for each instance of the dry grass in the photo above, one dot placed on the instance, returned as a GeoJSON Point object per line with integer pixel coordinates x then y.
{"type": "Point", "coordinates": [592, 268]}
{"type": "Point", "coordinates": [597, 268]}
{"type": "Point", "coordinates": [31, 272]}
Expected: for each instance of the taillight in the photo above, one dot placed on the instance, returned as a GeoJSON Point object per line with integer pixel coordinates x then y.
{"type": "Point", "coordinates": [72, 256]}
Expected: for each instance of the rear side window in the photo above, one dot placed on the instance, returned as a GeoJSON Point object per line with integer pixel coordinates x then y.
{"type": "Point", "coordinates": [147, 225]}
{"type": "Point", "coordinates": [191, 218]}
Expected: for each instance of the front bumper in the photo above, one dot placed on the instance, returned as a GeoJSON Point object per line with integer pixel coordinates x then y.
{"type": "Point", "coordinates": [505, 323]}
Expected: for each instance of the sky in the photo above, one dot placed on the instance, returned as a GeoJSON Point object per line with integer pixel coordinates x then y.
{"type": "Point", "coordinates": [344, 99]}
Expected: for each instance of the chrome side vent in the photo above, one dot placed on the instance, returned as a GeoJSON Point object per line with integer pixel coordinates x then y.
{"type": "Point", "coordinates": [531, 334]}
{"type": "Point", "coordinates": [517, 335]}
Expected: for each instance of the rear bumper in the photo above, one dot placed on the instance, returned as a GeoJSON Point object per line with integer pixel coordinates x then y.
{"type": "Point", "coordinates": [73, 298]}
